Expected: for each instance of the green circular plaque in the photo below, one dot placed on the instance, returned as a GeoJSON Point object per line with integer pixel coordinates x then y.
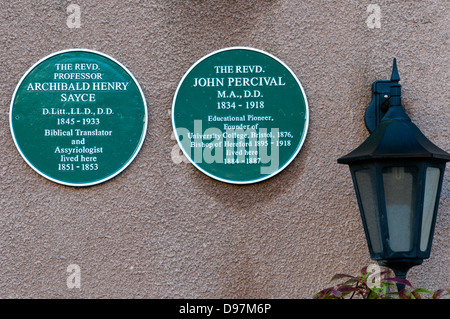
{"type": "Point", "coordinates": [240, 115]}
{"type": "Point", "coordinates": [78, 117]}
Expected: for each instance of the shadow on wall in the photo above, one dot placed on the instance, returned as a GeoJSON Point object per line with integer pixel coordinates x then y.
{"type": "Point", "coordinates": [223, 21]}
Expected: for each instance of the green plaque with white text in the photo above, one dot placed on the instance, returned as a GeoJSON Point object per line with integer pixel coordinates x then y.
{"type": "Point", "coordinates": [240, 115]}
{"type": "Point", "coordinates": [78, 117]}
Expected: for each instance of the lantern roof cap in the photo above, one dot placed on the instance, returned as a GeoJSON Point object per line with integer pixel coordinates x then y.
{"type": "Point", "coordinates": [395, 138]}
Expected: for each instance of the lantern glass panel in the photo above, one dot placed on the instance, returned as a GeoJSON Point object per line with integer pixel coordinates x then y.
{"type": "Point", "coordinates": [400, 192]}
{"type": "Point", "coordinates": [365, 180]}
{"type": "Point", "coordinates": [431, 188]}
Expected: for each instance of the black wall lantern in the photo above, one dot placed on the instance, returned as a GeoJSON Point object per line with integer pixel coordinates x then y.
{"type": "Point", "coordinates": [397, 174]}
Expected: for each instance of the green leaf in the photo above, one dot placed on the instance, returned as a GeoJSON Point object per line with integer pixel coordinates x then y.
{"type": "Point", "coordinates": [394, 293]}
{"type": "Point", "coordinates": [405, 294]}
{"type": "Point", "coordinates": [351, 281]}
{"type": "Point", "coordinates": [340, 276]}
{"type": "Point", "coordinates": [386, 284]}
{"type": "Point", "coordinates": [416, 295]}
{"type": "Point", "coordinates": [380, 291]}
{"type": "Point", "coordinates": [422, 290]}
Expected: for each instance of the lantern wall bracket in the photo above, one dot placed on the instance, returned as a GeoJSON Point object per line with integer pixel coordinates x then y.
{"type": "Point", "coordinates": [379, 105]}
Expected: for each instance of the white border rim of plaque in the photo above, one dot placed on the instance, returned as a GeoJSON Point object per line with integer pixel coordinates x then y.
{"type": "Point", "coordinates": [300, 145]}
{"type": "Point", "coordinates": [137, 150]}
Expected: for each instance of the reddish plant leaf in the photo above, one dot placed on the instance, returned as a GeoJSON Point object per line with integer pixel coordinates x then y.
{"type": "Point", "coordinates": [364, 270]}
{"type": "Point", "coordinates": [348, 289]}
{"type": "Point", "coordinates": [399, 280]}
{"type": "Point", "coordinates": [440, 293]}
{"type": "Point", "coordinates": [336, 292]}
{"type": "Point", "coordinates": [358, 286]}
{"type": "Point", "coordinates": [321, 294]}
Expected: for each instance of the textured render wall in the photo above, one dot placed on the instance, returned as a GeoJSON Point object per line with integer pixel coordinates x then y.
{"type": "Point", "coordinates": [165, 230]}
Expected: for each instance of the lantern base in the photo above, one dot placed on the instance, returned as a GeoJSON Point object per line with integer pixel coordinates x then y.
{"type": "Point", "coordinates": [400, 267]}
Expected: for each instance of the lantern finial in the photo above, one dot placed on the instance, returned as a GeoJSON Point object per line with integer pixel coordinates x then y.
{"type": "Point", "coordinates": [394, 76]}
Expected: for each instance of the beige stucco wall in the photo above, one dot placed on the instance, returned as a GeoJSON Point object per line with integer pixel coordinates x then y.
{"type": "Point", "coordinates": [166, 230]}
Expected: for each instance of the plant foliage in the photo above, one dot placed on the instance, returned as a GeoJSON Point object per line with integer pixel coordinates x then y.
{"type": "Point", "coordinates": [382, 286]}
